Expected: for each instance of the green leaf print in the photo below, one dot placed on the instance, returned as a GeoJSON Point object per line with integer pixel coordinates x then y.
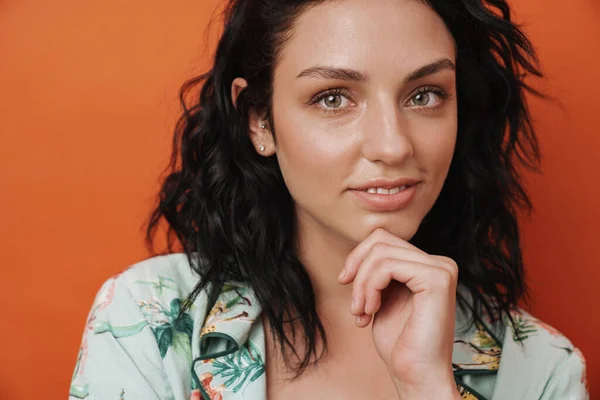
{"type": "Point", "coordinates": [523, 329]}
{"type": "Point", "coordinates": [161, 284]}
{"type": "Point", "coordinates": [240, 368]}
{"type": "Point", "coordinates": [164, 338]}
{"type": "Point", "coordinates": [182, 346]}
{"type": "Point", "coordinates": [176, 332]}
{"type": "Point", "coordinates": [482, 338]}
{"type": "Point", "coordinates": [120, 331]}
{"type": "Point", "coordinates": [185, 324]}
{"type": "Point", "coordinates": [239, 297]}
{"type": "Point", "coordinates": [174, 311]}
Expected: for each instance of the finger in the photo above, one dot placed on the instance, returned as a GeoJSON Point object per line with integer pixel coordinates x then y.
{"type": "Point", "coordinates": [363, 320]}
{"type": "Point", "coordinates": [418, 277]}
{"type": "Point", "coordinates": [358, 253]}
{"type": "Point", "coordinates": [447, 263]}
{"type": "Point", "coordinates": [380, 242]}
{"type": "Point", "coordinates": [380, 251]}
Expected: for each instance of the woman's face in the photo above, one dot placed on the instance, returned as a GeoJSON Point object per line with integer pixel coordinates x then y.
{"type": "Point", "coordinates": [392, 117]}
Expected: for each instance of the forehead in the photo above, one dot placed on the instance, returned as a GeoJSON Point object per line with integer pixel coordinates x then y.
{"type": "Point", "coordinates": [376, 36]}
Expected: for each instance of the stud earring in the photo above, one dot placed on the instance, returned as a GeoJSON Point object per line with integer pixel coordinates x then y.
{"type": "Point", "coordinates": [261, 147]}
{"type": "Point", "coordinates": [263, 126]}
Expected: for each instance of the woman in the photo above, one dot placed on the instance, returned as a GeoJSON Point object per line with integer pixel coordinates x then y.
{"type": "Point", "coordinates": [345, 192]}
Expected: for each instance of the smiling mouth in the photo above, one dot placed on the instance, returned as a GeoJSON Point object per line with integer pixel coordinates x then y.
{"type": "Point", "coordinates": [383, 199]}
{"type": "Point", "coordinates": [394, 190]}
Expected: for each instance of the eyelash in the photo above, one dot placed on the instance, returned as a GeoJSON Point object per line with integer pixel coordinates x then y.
{"type": "Point", "coordinates": [338, 91]}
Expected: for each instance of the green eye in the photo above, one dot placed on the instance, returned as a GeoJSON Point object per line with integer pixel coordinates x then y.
{"type": "Point", "coordinates": [426, 96]}
{"type": "Point", "coordinates": [331, 100]}
{"type": "Point", "coordinates": [421, 99]}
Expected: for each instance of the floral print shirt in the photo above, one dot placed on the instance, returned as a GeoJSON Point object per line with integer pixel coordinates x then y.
{"type": "Point", "coordinates": [134, 347]}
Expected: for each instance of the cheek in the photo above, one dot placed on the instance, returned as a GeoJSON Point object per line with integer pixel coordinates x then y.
{"type": "Point", "coordinates": [434, 145]}
{"type": "Point", "coordinates": [314, 161]}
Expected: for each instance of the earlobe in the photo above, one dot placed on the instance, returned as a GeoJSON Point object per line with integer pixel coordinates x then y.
{"type": "Point", "coordinates": [260, 135]}
{"type": "Point", "coordinates": [259, 132]}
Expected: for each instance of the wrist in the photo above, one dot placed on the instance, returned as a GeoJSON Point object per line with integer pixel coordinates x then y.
{"type": "Point", "coordinates": [437, 390]}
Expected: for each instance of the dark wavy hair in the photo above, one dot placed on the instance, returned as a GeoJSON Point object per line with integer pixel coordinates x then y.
{"type": "Point", "coordinates": [229, 208]}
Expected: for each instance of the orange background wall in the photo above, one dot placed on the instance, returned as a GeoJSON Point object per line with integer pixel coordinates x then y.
{"type": "Point", "coordinates": [87, 105]}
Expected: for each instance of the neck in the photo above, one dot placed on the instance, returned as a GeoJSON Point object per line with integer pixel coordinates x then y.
{"type": "Point", "coordinates": [323, 254]}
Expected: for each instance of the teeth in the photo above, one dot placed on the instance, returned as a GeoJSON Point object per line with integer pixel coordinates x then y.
{"type": "Point", "coordinates": [386, 191]}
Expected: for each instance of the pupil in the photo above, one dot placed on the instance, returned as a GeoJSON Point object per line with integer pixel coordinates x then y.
{"type": "Point", "coordinates": [331, 100]}
{"type": "Point", "coordinates": [422, 98]}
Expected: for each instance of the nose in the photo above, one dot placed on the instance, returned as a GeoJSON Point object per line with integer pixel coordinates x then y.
{"type": "Point", "coordinates": [386, 136]}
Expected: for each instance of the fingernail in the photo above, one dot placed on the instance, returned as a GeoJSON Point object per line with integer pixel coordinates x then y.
{"type": "Point", "coordinates": [342, 274]}
{"type": "Point", "coordinates": [353, 307]}
{"type": "Point", "coordinates": [357, 320]}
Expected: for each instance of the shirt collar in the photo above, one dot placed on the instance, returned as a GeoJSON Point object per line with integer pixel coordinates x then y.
{"type": "Point", "coordinates": [477, 348]}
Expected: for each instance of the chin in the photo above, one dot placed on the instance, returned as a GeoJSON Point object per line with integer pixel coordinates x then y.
{"type": "Point", "coordinates": [403, 227]}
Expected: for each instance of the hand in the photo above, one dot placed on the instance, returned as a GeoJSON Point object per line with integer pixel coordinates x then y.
{"type": "Point", "coordinates": [413, 297]}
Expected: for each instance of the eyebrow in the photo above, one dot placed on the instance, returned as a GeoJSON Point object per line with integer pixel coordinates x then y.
{"type": "Point", "coordinates": [346, 74]}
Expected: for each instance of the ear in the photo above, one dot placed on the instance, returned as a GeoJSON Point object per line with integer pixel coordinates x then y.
{"type": "Point", "coordinates": [258, 135]}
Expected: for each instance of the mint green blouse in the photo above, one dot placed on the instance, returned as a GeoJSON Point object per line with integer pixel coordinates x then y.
{"type": "Point", "coordinates": [134, 348]}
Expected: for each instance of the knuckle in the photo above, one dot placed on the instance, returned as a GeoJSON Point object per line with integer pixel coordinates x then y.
{"type": "Point", "coordinates": [449, 264]}
{"type": "Point", "coordinates": [443, 279]}
{"type": "Point", "coordinates": [447, 260]}
{"type": "Point", "coordinates": [379, 246]}
{"type": "Point", "coordinates": [453, 269]}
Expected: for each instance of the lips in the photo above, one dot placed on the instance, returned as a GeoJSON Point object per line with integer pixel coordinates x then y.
{"type": "Point", "coordinates": [380, 183]}
{"type": "Point", "coordinates": [386, 191]}
{"type": "Point", "coordinates": [386, 202]}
